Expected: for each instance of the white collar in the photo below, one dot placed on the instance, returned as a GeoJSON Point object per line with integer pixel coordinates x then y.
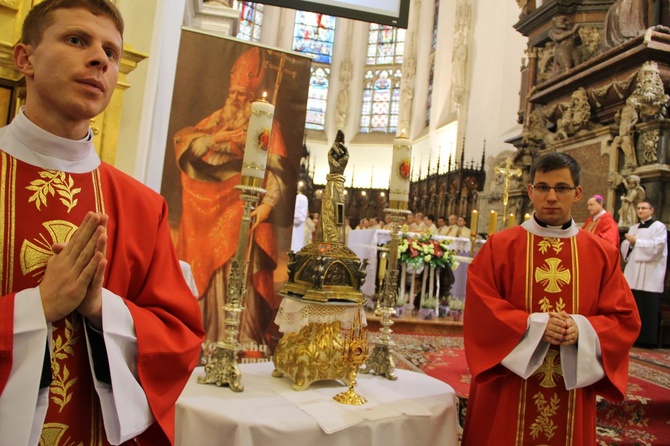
{"type": "Point", "coordinates": [31, 144]}
{"type": "Point", "coordinates": [531, 226]}
{"type": "Point", "coordinates": [600, 214]}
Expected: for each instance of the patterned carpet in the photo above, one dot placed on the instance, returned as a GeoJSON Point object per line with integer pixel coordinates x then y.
{"type": "Point", "coordinates": [643, 418]}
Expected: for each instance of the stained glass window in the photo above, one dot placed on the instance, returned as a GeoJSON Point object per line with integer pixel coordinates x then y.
{"type": "Point", "coordinates": [317, 97]}
{"type": "Point", "coordinates": [381, 91]}
{"type": "Point", "coordinates": [386, 45]}
{"type": "Point", "coordinates": [251, 20]}
{"type": "Point", "coordinates": [314, 34]}
{"type": "Point", "coordinates": [381, 100]}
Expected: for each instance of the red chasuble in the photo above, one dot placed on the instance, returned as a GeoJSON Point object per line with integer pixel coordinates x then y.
{"type": "Point", "coordinates": [604, 227]}
{"type": "Point", "coordinates": [41, 207]}
{"type": "Point", "coordinates": [517, 273]}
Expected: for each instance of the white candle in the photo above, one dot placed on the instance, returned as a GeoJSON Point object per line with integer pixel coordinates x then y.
{"type": "Point", "coordinates": [258, 142]}
{"type": "Point", "coordinates": [400, 172]}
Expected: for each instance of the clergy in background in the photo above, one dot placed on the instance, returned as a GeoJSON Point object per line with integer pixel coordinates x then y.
{"type": "Point", "coordinates": [645, 251]}
{"type": "Point", "coordinates": [299, 219]}
{"type": "Point", "coordinates": [601, 222]}
{"type": "Point", "coordinates": [548, 322]}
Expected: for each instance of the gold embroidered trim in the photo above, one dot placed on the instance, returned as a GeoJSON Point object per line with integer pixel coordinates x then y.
{"type": "Point", "coordinates": [550, 242]}
{"type": "Point", "coordinates": [550, 366]}
{"type": "Point", "coordinates": [543, 422]}
{"type": "Point", "coordinates": [61, 386]}
{"type": "Point", "coordinates": [552, 275]}
{"type": "Point", "coordinates": [53, 433]}
{"type": "Point", "coordinates": [34, 256]}
{"type": "Point", "coordinates": [50, 183]}
{"type": "Point", "coordinates": [7, 222]}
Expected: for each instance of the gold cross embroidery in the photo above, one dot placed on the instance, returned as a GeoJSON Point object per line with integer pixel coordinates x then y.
{"type": "Point", "coordinates": [34, 256]}
{"type": "Point", "coordinates": [552, 275]}
{"type": "Point", "coordinates": [550, 366]}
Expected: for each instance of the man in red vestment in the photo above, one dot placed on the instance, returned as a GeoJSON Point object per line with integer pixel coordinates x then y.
{"type": "Point", "coordinates": [99, 332]}
{"type": "Point", "coordinates": [601, 222]}
{"type": "Point", "coordinates": [548, 323]}
{"type": "Point", "coordinates": [209, 156]}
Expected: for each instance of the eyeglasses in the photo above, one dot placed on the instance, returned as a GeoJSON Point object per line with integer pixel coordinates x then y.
{"type": "Point", "coordinates": [561, 189]}
{"type": "Point", "coordinates": [642, 208]}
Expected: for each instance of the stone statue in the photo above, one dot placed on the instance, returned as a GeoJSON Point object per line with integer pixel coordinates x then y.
{"type": "Point", "coordinates": [459, 56]}
{"type": "Point", "coordinates": [649, 96]}
{"type": "Point", "coordinates": [545, 62]}
{"type": "Point", "coordinates": [536, 135]}
{"type": "Point", "coordinates": [590, 37]}
{"type": "Point", "coordinates": [576, 116]}
{"type": "Point", "coordinates": [342, 107]}
{"type": "Point", "coordinates": [625, 19]}
{"type": "Point", "coordinates": [634, 193]}
{"type": "Point", "coordinates": [625, 141]}
{"type": "Point", "coordinates": [564, 36]}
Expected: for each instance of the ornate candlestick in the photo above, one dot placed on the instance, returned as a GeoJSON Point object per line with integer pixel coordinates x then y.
{"type": "Point", "coordinates": [222, 368]}
{"type": "Point", "coordinates": [380, 361]}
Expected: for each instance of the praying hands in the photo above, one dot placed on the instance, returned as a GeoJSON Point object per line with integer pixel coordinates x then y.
{"type": "Point", "coordinates": [561, 329]}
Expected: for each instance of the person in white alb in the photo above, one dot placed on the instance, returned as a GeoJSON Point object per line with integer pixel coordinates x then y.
{"type": "Point", "coordinates": [645, 251]}
{"type": "Point", "coordinates": [299, 217]}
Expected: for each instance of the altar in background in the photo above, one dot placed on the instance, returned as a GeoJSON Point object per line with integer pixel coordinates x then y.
{"type": "Point", "coordinates": [366, 243]}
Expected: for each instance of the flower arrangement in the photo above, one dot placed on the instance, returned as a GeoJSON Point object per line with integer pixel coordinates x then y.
{"type": "Point", "coordinates": [423, 250]}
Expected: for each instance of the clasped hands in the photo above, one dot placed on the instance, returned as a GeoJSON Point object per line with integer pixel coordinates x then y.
{"type": "Point", "coordinates": [561, 329]}
{"type": "Point", "coordinates": [75, 272]}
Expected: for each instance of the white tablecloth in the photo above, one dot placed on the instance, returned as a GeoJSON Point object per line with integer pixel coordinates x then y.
{"type": "Point", "coordinates": [414, 410]}
{"type": "Point", "coordinates": [363, 242]}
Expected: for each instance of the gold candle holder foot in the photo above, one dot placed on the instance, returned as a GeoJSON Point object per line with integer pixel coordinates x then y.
{"type": "Point", "coordinates": [222, 368]}
{"type": "Point", "coordinates": [380, 362]}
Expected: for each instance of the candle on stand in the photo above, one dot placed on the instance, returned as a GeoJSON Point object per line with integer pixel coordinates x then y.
{"type": "Point", "coordinates": [526, 217]}
{"type": "Point", "coordinates": [493, 222]}
{"type": "Point", "coordinates": [382, 267]}
{"type": "Point", "coordinates": [400, 172]}
{"type": "Point", "coordinates": [474, 221]}
{"type": "Point", "coordinates": [257, 145]}
{"type": "Point", "coordinates": [511, 220]}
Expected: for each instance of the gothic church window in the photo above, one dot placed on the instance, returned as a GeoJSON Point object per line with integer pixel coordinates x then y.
{"type": "Point", "coordinates": [383, 73]}
{"type": "Point", "coordinates": [251, 21]}
{"type": "Point", "coordinates": [314, 35]}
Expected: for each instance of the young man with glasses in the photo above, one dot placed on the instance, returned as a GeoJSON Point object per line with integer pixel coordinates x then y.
{"type": "Point", "coordinates": [645, 251]}
{"type": "Point", "coordinates": [549, 321]}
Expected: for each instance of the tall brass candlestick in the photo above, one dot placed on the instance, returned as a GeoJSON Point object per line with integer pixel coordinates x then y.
{"type": "Point", "coordinates": [222, 368]}
{"type": "Point", "coordinates": [380, 361]}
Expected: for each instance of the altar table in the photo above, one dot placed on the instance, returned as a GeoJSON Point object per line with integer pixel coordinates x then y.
{"type": "Point", "coordinates": [415, 409]}
{"type": "Point", "coordinates": [364, 243]}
